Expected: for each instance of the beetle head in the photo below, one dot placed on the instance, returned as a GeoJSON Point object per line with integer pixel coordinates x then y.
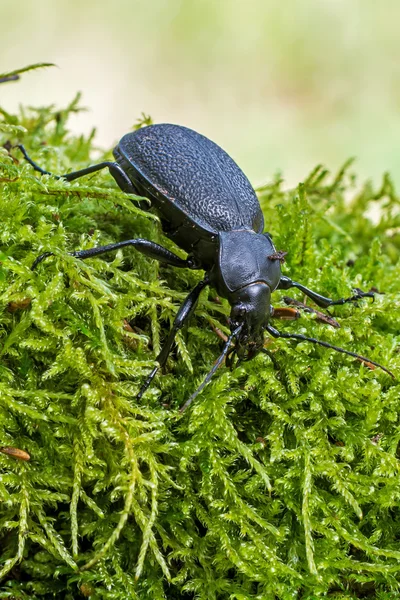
{"type": "Point", "coordinates": [251, 307]}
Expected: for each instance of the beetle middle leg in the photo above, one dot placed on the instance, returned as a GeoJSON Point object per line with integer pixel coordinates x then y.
{"type": "Point", "coordinates": [285, 283]}
{"type": "Point", "coordinates": [146, 247]}
{"type": "Point", "coordinates": [183, 315]}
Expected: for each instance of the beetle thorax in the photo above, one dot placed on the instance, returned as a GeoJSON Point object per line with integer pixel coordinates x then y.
{"type": "Point", "coordinates": [243, 260]}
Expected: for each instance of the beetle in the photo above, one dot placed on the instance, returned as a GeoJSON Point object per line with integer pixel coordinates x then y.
{"type": "Point", "coordinates": [208, 207]}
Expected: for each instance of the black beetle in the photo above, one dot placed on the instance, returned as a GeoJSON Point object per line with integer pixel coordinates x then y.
{"type": "Point", "coordinates": [209, 209]}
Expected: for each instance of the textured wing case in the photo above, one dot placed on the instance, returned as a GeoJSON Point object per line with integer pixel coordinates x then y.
{"type": "Point", "coordinates": [196, 175]}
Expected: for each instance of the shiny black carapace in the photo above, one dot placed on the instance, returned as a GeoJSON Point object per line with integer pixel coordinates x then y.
{"type": "Point", "coordinates": [209, 209]}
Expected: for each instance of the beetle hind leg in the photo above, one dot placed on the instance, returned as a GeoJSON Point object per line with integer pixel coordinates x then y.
{"type": "Point", "coordinates": [116, 171]}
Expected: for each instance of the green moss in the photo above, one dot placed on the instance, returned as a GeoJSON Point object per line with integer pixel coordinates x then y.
{"type": "Point", "coordinates": [281, 481]}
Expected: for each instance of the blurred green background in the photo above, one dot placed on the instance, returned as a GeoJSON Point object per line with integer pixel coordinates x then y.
{"type": "Point", "coordinates": [281, 85]}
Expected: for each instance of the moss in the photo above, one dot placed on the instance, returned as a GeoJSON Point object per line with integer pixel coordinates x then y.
{"type": "Point", "coordinates": [281, 481]}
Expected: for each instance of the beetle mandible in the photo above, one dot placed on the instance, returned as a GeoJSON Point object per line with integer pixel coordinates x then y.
{"type": "Point", "coordinates": [208, 207]}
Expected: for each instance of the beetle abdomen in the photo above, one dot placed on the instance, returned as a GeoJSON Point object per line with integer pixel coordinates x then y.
{"type": "Point", "coordinates": [196, 175]}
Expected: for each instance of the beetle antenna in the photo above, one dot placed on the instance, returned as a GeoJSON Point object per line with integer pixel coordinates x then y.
{"type": "Point", "coordinates": [298, 336]}
{"type": "Point", "coordinates": [214, 368]}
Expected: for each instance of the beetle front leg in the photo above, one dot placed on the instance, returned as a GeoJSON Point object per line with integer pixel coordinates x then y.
{"type": "Point", "coordinates": [285, 283]}
{"type": "Point", "coordinates": [183, 315]}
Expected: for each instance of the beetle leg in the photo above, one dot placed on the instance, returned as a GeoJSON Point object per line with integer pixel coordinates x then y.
{"type": "Point", "coordinates": [183, 315]}
{"type": "Point", "coordinates": [285, 283]}
{"type": "Point", "coordinates": [124, 183]}
{"type": "Point", "coordinates": [146, 247]}
{"type": "Point", "coordinates": [116, 171]}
